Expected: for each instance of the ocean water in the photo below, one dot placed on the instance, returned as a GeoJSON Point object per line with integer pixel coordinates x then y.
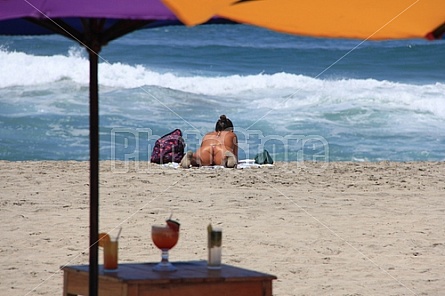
{"type": "Point", "coordinates": [299, 98]}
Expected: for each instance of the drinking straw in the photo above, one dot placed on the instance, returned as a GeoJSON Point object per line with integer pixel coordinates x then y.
{"type": "Point", "coordinates": [118, 234]}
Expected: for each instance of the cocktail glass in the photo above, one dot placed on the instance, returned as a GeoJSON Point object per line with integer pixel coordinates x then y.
{"type": "Point", "coordinates": [164, 238]}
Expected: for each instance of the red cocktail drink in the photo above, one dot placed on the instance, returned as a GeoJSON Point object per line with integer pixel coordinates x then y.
{"type": "Point", "coordinates": [165, 238]}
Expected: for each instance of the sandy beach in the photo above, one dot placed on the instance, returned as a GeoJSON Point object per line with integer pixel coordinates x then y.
{"type": "Point", "coordinates": [322, 229]}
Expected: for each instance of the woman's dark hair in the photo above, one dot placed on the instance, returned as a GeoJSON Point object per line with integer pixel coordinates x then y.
{"type": "Point", "coordinates": [223, 124]}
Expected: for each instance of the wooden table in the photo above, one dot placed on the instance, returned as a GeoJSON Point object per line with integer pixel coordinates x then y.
{"type": "Point", "coordinates": [191, 279]}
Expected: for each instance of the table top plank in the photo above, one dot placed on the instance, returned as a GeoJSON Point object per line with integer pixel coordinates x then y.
{"type": "Point", "coordinates": [188, 272]}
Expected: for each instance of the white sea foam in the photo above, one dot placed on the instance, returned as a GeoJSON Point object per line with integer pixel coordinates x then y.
{"type": "Point", "coordinates": [279, 91]}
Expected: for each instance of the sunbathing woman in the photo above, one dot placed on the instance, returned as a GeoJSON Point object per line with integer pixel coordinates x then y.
{"type": "Point", "coordinates": [217, 148]}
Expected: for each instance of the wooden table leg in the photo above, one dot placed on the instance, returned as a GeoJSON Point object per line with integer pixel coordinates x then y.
{"type": "Point", "coordinates": [65, 284]}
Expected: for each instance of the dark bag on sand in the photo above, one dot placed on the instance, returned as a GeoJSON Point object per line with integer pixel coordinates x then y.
{"type": "Point", "coordinates": [263, 158]}
{"type": "Point", "coordinates": [169, 148]}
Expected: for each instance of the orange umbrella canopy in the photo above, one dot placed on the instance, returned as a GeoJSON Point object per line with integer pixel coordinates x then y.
{"type": "Point", "coordinates": [362, 19]}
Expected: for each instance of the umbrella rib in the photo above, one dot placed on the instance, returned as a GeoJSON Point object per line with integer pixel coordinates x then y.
{"type": "Point", "coordinates": [123, 27]}
{"type": "Point", "coordinates": [58, 26]}
{"type": "Point", "coordinates": [437, 33]}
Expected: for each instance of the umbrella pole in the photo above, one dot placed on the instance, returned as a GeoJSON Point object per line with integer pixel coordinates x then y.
{"type": "Point", "coordinates": [94, 170]}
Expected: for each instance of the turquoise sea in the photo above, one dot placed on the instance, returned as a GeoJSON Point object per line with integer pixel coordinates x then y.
{"type": "Point", "coordinates": [298, 97]}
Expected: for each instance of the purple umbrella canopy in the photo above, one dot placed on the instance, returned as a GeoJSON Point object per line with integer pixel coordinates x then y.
{"type": "Point", "coordinates": [128, 9]}
{"type": "Point", "coordinates": [91, 23]}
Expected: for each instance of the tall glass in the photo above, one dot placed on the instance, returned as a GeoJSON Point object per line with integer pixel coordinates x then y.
{"type": "Point", "coordinates": [164, 238]}
{"type": "Point", "coordinates": [111, 255]}
{"type": "Point", "coordinates": [214, 245]}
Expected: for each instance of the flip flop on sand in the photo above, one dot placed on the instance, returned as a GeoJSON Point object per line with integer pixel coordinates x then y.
{"type": "Point", "coordinates": [186, 161]}
{"type": "Point", "coordinates": [230, 160]}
